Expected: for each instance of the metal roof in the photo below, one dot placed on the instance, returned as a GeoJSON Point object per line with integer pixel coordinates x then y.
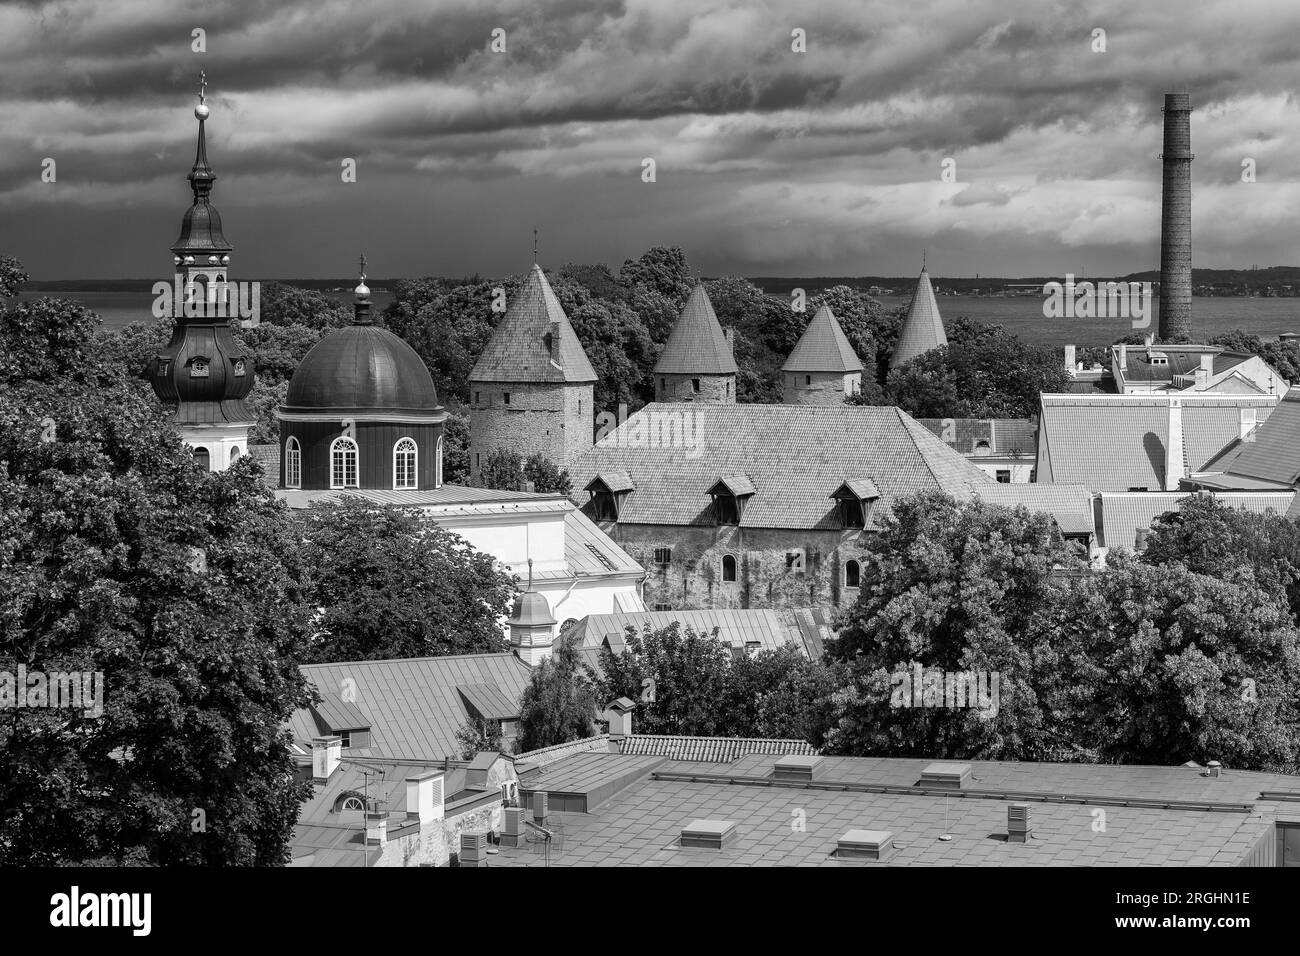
{"type": "Point", "coordinates": [1069, 505]}
{"type": "Point", "coordinates": [521, 347]}
{"type": "Point", "coordinates": [823, 347]}
{"type": "Point", "coordinates": [1272, 451]}
{"type": "Point", "coordinates": [764, 628]}
{"type": "Point", "coordinates": [1124, 514]}
{"type": "Point", "coordinates": [696, 345]}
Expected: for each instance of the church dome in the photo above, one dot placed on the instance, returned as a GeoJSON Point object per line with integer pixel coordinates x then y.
{"type": "Point", "coordinates": [362, 370]}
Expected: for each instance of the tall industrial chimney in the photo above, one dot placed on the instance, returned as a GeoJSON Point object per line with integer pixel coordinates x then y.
{"type": "Point", "coordinates": [1176, 220]}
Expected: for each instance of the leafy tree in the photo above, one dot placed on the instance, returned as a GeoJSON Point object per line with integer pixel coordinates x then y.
{"type": "Point", "coordinates": [131, 348]}
{"type": "Point", "coordinates": [12, 276]}
{"type": "Point", "coordinates": [663, 270]}
{"type": "Point", "coordinates": [263, 401]}
{"type": "Point", "coordinates": [455, 446]}
{"type": "Point", "coordinates": [102, 517]}
{"type": "Point", "coordinates": [1212, 538]}
{"type": "Point", "coordinates": [954, 586]}
{"type": "Point", "coordinates": [559, 703]}
{"type": "Point", "coordinates": [277, 350]}
{"type": "Point", "coordinates": [282, 305]}
{"type": "Point", "coordinates": [779, 693]}
{"type": "Point", "coordinates": [507, 470]}
{"type": "Point", "coordinates": [619, 349]}
{"type": "Point", "coordinates": [477, 735]}
{"type": "Point", "coordinates": [389, 583]}
{"type": "Point", "coordinates": [925, 387]}
{"type": "Point", "coordinates": [1159, 664]}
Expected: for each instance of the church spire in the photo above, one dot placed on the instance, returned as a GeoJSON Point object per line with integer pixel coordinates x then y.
{"type": "Point", "coordinates": [361, 308]}
{"type": "Point", "coordinates": [201, 176]}
{"type": "Point", "coordinates": [201, 238]}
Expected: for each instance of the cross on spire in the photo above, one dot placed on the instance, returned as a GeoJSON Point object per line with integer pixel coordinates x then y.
{"type": "Point", "coordinates": [534, 245]}
{"type": "Point", "coordinates": [363, 267]}
{"type": "Point", "coordinates": [203, 84]}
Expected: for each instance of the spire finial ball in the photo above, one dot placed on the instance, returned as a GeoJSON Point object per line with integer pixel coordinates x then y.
{"type": "Point", "coordinates": [201, 112]}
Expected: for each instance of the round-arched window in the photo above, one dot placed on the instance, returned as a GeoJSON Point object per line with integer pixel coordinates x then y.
{"type": "Point", "coordinates": [728, 567]}
{"type": "Point", "coordinates": [852, 574]}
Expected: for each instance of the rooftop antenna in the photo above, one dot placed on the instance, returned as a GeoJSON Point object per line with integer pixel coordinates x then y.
{"type": "Point", "coordinates": [363, 268]}
{"type": "Point", "coordinates": [203, 85]}
{"type": "Point", "coordinates": [530, 574]}
{"type": "Point", "coordinates": [534, 245]}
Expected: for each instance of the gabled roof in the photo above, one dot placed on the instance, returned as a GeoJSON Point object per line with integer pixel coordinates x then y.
{"type": "Point", "coordinates": [1272, 451]}
{"type": "Point", "coordinates": [612, 481]}
{"type": "Point", "coordinates": [1118, 442]}
{"type": "Point", "coordinates": [518, 350]}
{"type": "Point", "coordinates": [1124, 514]}
{"type": "Point", "coordinates": [738, 485]}
{"type": "Point", "coordinates": [864, 489]}
{"type": "Point", "coordinates": [923, 328]}
{"type": "Point", "coordinates": [1069, 505]}
{"type": "Point", "coordinates": [823, 347]}
{"type": "Point", "coordinates": [696, 345]}
{"type": "Point", "coordinates": [736, 627]}
{"type": "Point", "coordinates": [1001, 436]}
{"type": "Point", "coordinates": [337, 714]}
{"type": "Point", "coordinates": [414, 705]}
{"type": "Point", "coordinates": [795, 457]}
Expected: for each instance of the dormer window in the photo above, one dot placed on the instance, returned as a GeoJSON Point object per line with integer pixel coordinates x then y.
{"type": "Point", "coordinates": [730, 494]}
{"type": "Point", "coordinates": [239, 368]}
{"type": "Point", "coordinates": [854, 500]}
{"type": "Point", "coordinates": [199, 367]}
{"type": "Point", "coordinates": [163, 366]}
{"type": "Point", "coordinates": [608, 491]}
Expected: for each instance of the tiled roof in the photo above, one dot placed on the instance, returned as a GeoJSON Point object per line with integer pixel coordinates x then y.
{"type": "Point", "coordinates": [1069, 505]}
{"type": "Point", "coordinates": [1154, 816]}
{"type": "Point", "coordinates": [795, 456]}
{"type": "Point", "coordinates": [713, 749]}
{"type": "Point", "coordinates": [1117, 442]}
{"type": "Point", "coordinates": [1272, 451]}
{"type": "Point", "coordinates": [823, 347]}
{"type": "Point", "coordinates": [613, 481]}
{"type": "Point", "coordinates": [1123, 514]}
{"type": "Point", "coordinates": [518, 349]}
{"type": "Point", "coordinates": [268, 456]}
{"type": "Point", "coordinates": [696, 344]}
{"type": "Point", "coordinates": [413, 704]}
{"type": "Point", "coordinates": [735, 627]}
{"type": "Point", "coordinates": [1003, 436]}
{"type": "Point", "coordinates": [923, 328]}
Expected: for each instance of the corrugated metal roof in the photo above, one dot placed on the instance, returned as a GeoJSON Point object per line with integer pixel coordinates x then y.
{"type": "Point", "coordinates": [1117, 442]}
{"type": "Point", "coordinates": [763, 628]}
{"type": "Point", "coordinates": [696, 345]}
{"type": "Point", "coordinates": [823, 347]}
{"type": "Point", "coordinates": [923, 328]}
{"type": "Point", "coordinates": [795, 457]}
{"type": "Point", "coordinates": [518, 350]}
{"type": "Point", "coordinates": [1122, 515]}
{"type": "Point", "coordinates": [413, 704]}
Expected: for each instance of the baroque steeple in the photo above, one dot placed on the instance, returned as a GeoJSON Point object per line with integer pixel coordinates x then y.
{"type": "Point", "coordinates": [201, 228]}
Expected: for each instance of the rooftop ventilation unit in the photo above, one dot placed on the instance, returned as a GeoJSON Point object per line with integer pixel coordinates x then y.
{"type": "Point", "coordinates": [800, 768]}
{"type": "Point", "coordinates": [512, 833]}
{"type": "Point", "coordinates": [539, 806]}
{"type": "Point", "coordinates": [946, 776]}
{"type": "Point", "coordinates": [1018, 823]}
{"type": "Point", "coordinates": [864, 845]}
{"type": "Point", "coordinates": [709, 834]}
{"type": "Point", "coordinates": [473, 847]}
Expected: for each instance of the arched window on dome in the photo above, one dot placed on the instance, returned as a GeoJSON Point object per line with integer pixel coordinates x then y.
{"type": "Point", "coordinates": [343, 463]}
{"type": "Point", "coordinates": [405, 458]}
{"type": "Point", "coordinates": [437, 464]}
{"type": "Point", "coordinates": [292, 464]}
{"type": "Point", "coordinates": [203, 459]}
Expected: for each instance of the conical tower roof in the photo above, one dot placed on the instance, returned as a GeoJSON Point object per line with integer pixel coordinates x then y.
{"type": "Point", "coordinates": [923, 328]}
{"type": "Point", "coordinates": [696, 345]}
{"type": "Point", "coordinates": [823, 347]}
{"type": "Point", "coordinates": [534, 342]}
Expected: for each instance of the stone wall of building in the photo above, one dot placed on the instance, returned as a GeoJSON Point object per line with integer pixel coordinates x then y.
{"type": "Point", "coordinates": [766, 574]}
{"type": "Point", "coordinates": [819, 388]}
{"type": "Point", "coordinates": [555, 419]}
{"type": "Point", "coordinates": [713, 389]}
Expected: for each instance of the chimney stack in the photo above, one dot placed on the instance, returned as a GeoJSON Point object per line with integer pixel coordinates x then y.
{"type": "Point", "coordinates": [326, 754]}
{"type": "Point", "coordinates": [1174, 456]}
{"type": "Point", "coordinates": [376, 828]}
{"type": "Point", "coordinates": [424, 797]}
{"type": "Point", "coordinates": [1123, 357]}
{"type": "Point", "coordinates": [1176, 220]}
{"type": "Point", "coordinates": [1069, 359]}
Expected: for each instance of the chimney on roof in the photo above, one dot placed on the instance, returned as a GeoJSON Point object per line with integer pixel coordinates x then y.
{"type": "Point", "coordinates": [1018, 823]}
{"type": "Point", "coordinates": [1174, 456]}
{"type": "Point", "coordinates": [376, 827]}
{"type": "Point", "coordinates": [326, 753]}
{"type": "Point", "coordinates": [1150, 339]}
{"type": "Point", "coordinates": [1123, 357]}
{"type": "Point", "coordinates": [1176, 219]}
{"type": "Point", "coordinates": [424, 797]}
{"type": "Point", "coordinates": [1069, 359]}
{"type": "Point", "coordinates": [1214, 769]}
{"type": "Point", "coordinates": [1206, 370]}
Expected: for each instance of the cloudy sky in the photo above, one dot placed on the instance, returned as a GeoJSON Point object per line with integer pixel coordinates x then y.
{"type": "Point", "coordinates": [768, 161]}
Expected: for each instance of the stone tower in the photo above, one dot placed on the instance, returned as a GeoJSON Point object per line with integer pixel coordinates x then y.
{"type": "Point", "coordinates": [923, 328]}
{"type": "Point", "coordinates": [202, 374]}
{"type": "Point", "coordinates": [697, 364]}
{"type": "Point", "coordinates": [823, 369]}
{"type": "Point", "coordinates": [532, 389]}
{"type": "Point", "coordinates": [1176, 220]}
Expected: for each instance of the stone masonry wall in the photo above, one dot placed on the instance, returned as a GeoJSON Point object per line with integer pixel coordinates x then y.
{"type": "Point", "coordinates": [556, 420]}
{"type": "Point", "coordinates": [827, 388]}
{"type": "Point", "coordinates": [714, 389]}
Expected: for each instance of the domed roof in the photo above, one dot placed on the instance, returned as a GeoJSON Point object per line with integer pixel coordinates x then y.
{"type": "Point", "coordinates": [362, 371]}
{"type": "Point", "coordinates": [531, 610]}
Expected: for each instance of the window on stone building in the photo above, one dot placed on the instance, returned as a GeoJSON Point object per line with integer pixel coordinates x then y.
{"type": "Point", "coordinates": [807, 379]}
{"type": "Point", "coordinates": [728, 567]}
{"type": "Point", "coordinates": [343, 463]}
{"type": "Point", "coordinates": [405, 457]}
{"type": "Point", "coordinates": [851, 515]}
{"type": "Point", "coordinates": [1004, 475]}
{"type": "Point", "coordinates": [203, 459]}
{"type": "Point", "coordinates": [663, 556]}
{"type": "Point", "coordinates": [794, 561]}
{"type": "Point", "coordinates": [663, 607]}
{"type": "Point", "coordinates": [663, 384]}
{"type": "Point", "coordinates": [292, 464]}
{"type": "Point", "coordinates": [506, 397]}
{"type": "Point", "coordinates": [728, 390]}
{"type": "Point", "coordinates": [695, 385]}
{"type": "Point", "coordinates": [852, 574]}
{"type": "Point", "coordinates": [352, 803]}
{"type": "Point", "coordinates": [476, 398]}
{"type": "Point", "coordinates": [603, 506]}
{"type": "Point", "coordinates": [725, 509]}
